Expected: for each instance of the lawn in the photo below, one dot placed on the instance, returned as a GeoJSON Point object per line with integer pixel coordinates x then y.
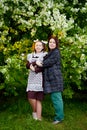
{"type": "Point", "coordinates": [15, 114]}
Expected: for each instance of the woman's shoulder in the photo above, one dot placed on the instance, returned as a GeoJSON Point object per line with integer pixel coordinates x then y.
{"type": "Point", "coordinates": [56, 50]}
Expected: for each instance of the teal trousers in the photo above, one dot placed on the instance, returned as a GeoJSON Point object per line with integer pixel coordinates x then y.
{"type": "Point", "coordinates": [57, 101]}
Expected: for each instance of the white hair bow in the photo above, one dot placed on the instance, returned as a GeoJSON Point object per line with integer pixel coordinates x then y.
{"type": "Point", "coordinates": [45, 42]}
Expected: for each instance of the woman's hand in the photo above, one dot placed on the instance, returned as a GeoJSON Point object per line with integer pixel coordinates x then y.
{"type": "Point", "coordinates": [39, 63]}
{"type": "Point", "coordinates": [32, 67]}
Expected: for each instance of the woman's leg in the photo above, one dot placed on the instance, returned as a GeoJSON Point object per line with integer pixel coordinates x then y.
{"type": "Point", "coordinates": [39, 109]}
{"type": "Point", "coordinates": [58, 105]}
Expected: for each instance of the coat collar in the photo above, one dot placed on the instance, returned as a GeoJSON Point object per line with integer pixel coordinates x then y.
{"type": "Point", "coordinates": [50, 53]}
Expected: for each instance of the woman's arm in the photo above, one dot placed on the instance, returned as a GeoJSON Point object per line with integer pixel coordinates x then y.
{"type": "Point", "coordinates": [53, 58]}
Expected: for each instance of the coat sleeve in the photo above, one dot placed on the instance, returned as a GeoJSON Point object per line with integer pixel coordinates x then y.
{"type": "Point", "coordinates": [51, 59]}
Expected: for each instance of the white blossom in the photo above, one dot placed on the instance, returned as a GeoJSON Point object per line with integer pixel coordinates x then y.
{"type": "Point", "coordinates": [82, 57]}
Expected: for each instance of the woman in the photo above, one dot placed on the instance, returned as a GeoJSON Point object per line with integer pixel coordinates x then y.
{"type": "Point", "coordinates": [52, 77]}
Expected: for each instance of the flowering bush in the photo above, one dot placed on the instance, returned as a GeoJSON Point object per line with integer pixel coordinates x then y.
{"type": "Point", "coordinates": [15, 75]}
{"type": "Point", "coordinates": [23, 21]}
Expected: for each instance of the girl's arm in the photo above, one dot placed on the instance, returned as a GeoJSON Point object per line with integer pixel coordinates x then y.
{"type": "Point", "coordinates": [28, 61]}
{"type": "Point", "coordinates": [28, 65]}
{"type": "Point", "coordinates": [38, 69]}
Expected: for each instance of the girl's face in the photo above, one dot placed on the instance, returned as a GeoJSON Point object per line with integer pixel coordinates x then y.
{"type": "Point", "coordinates": [38, 47]}
{"type": "Point", "coordinates": [52, 43]}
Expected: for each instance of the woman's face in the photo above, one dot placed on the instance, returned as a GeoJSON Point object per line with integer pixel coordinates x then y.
{"type": "Point", "coordinates": [52, 43]}
{"type": "Point", "coordinates": [38, 47]}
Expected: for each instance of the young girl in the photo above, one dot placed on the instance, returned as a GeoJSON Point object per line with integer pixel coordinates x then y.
{"type": "Point", "coordinates": [34, 86]}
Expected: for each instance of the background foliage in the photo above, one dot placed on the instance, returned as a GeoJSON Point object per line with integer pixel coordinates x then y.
{"type": "Point", "coordinates": [22, 21]}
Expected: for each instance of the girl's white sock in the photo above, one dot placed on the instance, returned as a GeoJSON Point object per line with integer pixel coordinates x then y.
{"type": "Point", "coordinates": [34, 114]}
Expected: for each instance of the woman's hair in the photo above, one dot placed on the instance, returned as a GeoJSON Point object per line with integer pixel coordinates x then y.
{"type": "Point", "coordinates": [56, 40]}
{"type": "Point", "coordinates": [43, 44]}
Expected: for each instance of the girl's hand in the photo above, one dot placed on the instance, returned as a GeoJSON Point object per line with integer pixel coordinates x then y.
{"type": "Point", "coordinates": [39, 63]}
{"type": "Point", "coordinates": [32, 67]}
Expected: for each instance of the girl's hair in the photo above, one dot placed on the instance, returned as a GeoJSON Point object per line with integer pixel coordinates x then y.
{"type": "Point", "coordinates": [43, 44]}
{"type": "Point", "coordinates": [56, 40]}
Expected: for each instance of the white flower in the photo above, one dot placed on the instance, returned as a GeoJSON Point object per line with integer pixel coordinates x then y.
{"type": "Point", "coordinates": [82, 57]}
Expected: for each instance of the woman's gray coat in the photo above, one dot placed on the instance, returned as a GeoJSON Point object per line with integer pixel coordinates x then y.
{"type": "Point", "coordinates": [52, 76]}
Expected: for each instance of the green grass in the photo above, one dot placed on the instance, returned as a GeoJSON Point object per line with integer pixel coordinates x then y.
{"type": "Point", "coordinates": [15, 114]}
